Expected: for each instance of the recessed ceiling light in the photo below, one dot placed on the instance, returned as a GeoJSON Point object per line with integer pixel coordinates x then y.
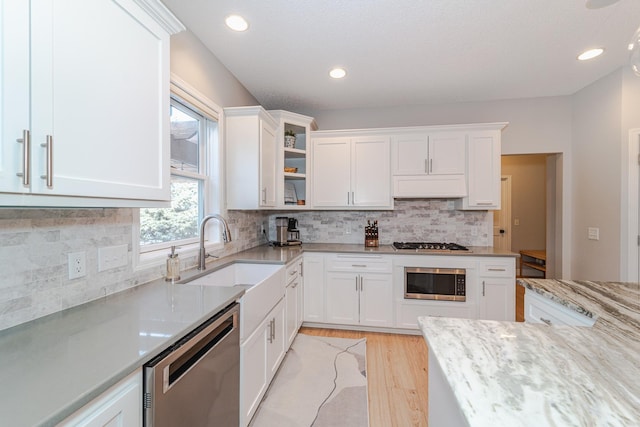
{"type": "Point", "coordinates": [236, 23]}
{"type": "Point", "coordinates": [338, 73]}
{"type": "Point", "coordinates": [590, 54]}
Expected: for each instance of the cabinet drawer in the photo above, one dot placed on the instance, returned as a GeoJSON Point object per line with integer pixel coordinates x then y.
{"type": "Point", "coordinates": [542, 310]}
{"type": "Point", "coordinates": [498, 268]}
{"type": "Point", "coordinates": [292, 272]}
{"type": "Point", "coordinates": [360, 263]}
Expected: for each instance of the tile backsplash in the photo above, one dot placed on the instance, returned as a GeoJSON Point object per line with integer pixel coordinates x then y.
{"type": "Point", "coordinates": [34, 244]}
{"type": "Point", "coordinates": [433, 220]}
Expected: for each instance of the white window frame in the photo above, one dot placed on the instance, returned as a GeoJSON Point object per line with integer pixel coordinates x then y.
{"type": "Point", "coordinates": [214, 203]}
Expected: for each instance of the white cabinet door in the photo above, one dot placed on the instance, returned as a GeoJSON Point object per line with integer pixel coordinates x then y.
{"type": "Point", "coordinates": [376, 296]}
{"type": "Point", "coordinates": [267, 165]}
{"type": "Point", "coordinates": [410, 154]}
{"type": "Point", "coordinates": [121, 405]}
{"type": "Point", "coordinates": [497, 299]}
{"type": "Point", "coordinates": [292, 310]}
{"type": "Point", "coordinates": [99, 98]}
{"type": "Point", "coordinates": [331, 172]}
{"type": "Point", "coordinates": [429, 165]}
{"type": "Point", "coordinates": [343, 299]}
{"type": "Point", "coordinates": [483, 171]}
{"type": "Point", "coordinates": [93, 100]}
{"type": "Point", "coordinates": [14, 92]}
{"type": "Point", "coordinates": [351, 172]}
{"type": "Point", "coordinates": [253, 371]}
{"type": "Point", "coordinates": [313, 273]}
{"type": "Point", "coordinates": [277, 340]}
{"type": "Point", "coordinates": [497, 293]}
{"type": "Point", "coordinates": [250, 158]}
{"type": "Point", "coordinates": [370, 172]}
{"type": "Point", "coordinates": [447, 153]}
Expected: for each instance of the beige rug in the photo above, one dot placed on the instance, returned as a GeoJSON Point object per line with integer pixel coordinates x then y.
{"type": "Point", "coordinates": [322, 382]}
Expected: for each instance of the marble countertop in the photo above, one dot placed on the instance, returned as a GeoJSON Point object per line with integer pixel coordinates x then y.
{"type": "Point", "coordinates": [517, 374]}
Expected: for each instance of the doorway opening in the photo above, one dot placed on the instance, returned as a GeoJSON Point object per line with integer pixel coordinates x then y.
{"type": "Point", "coordinates": [532, 207]}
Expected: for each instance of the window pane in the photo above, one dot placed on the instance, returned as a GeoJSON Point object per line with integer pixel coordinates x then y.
{"type": "Point", "coordinates": [179, 222]}
{"type": "Point", "coordinates": [185, 138]}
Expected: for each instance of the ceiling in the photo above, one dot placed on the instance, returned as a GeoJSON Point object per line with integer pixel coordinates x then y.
{"type": "Point", "coordinates": [410, 52]}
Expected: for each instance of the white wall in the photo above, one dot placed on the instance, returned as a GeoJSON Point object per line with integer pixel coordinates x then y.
{"type": "Point", "coordinates": [196, 65]}
{"type": "Point", "coordinates": [596, 176]}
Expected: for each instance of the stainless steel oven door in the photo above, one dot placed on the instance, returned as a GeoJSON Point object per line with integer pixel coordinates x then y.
{"type": "Point", "coordinates": [442, 284]}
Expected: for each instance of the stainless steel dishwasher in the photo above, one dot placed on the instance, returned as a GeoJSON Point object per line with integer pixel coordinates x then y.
{"type": "Point", "coordinates": [196, 382]}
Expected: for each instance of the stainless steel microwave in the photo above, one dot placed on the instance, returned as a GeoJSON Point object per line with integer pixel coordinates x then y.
{"type": "Point", "coordinates": [445, 284]}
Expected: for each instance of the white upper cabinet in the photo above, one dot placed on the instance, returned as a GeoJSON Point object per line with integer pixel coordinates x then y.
{"type": "Point", "coordinates": [85, 103]}
{"type": "Point", "coordinates": [429, 164]}
{"type": "Point", "coordinates": [422, 154]}
{"type": "Point", "coordinates": [250, 158]}
{"type": "Point", "coordinates": [293, 159]}
{"type": "Point", "coordinates": [483, 171]}
{"type": "Point", "coordinates": [351, 171]}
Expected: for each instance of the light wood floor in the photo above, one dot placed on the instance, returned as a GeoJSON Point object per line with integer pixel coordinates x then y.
{"type": "Point", "coordinates": [397, 376]}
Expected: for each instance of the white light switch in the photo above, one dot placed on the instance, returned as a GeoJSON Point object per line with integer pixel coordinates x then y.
{"type": "Point", "coordinates": [593, 233]}
{"type": "Point", "coordinates": [516, 221]}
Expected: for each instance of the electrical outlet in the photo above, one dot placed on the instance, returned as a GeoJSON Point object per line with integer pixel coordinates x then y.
{"type": "Point", "coordinates": [112, 257]}
{"type": "Point", "coordinates": [77, 264]}
{"type": "Point", "coordinates": [593, 233]}
{"type": "Point", "coordinates": [347, 229]}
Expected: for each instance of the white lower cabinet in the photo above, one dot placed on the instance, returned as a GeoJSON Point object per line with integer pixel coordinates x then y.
{"type": "Point", "coordinates": [121, 405]}
{"type": "Point", "coordinates": [260, 357]}
{"type": "Point", "coordinates": [359, 290]}
{"type": "Point", "coordinates": [293, 300]}
{"type": "Point", "coordinates": [313, 268]}
{"type": "Point", "coordinates": [538, 309]}
{"type": "Point", "coordinates": [497, 299]}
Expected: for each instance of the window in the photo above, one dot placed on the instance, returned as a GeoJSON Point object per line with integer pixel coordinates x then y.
{"type": "Point", "coordinates": [194, 187]}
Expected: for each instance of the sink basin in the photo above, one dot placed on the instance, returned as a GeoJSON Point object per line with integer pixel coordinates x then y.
{"type": "Point", "coordinates": [237, 274]}
{"type": "Point", "coordinates": [266, 287]}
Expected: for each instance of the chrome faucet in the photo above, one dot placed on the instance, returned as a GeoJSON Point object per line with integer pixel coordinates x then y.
{"type": "Point", "coordinates": [226, 237]}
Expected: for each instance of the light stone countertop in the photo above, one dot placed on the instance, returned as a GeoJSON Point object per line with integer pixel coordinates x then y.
{"type": "Point", "coordinates": [52, 366]}
{"type": "Point", "coordinates": [390, 250]}
{"type": "Point", "coordinates": [518, 374]}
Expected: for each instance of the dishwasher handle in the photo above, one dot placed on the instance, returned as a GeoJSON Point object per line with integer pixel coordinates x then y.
{"type": "Point", "coordinates": [196, 346]}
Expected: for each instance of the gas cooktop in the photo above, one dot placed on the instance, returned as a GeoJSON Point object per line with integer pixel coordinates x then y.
{"type": "Point", "coordinates": [429, 246]}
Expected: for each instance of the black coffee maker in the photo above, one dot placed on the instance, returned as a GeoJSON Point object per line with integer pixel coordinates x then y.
{"type": "Point", "coordinates": [293, 234]}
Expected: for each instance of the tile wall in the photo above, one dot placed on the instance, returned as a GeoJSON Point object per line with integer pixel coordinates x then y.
{"type": "Point", "coordinates": [434, 220]}
{"type": "Point", "coordinates": [34, 244]}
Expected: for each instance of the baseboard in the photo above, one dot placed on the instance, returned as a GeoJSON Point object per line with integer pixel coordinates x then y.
{"type": "Point", "coordinates": [362, 328]}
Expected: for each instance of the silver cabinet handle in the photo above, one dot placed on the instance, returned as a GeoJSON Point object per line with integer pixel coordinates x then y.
{"type": "Point", "coordinates": [547, 321]}
{"type": "Point", "coordinates": [264, 195]}
{"type": "Point", "coordinates": [347, 198]}
{"type": "Point", "coordinates": [26, 157]}
{"type": "Point", "coordinates": [497, 269]}
{"type": "Point", "coordinates": [270, 333]}
{"type": "Point", "coordinates": [357, 283]}
{"type": "Point", "coordinates": [483, 288]}
{"type": "Point", "coordinates": [359, 265]}
{"type": "Point", "coordinates": [484, 203]}
{"type": "Point", "coordinates": [430, 165]}
{"type": "Point", "coordinates": [301, 270]}
{"type": "Point", "coordinates": [426, 166]}
{"type": "Point", "coordinates": [353, 198]}
{"type": "Point", "coordinates": [48, 176]}
{"type": "Point", "coordinates": [361, 283]}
